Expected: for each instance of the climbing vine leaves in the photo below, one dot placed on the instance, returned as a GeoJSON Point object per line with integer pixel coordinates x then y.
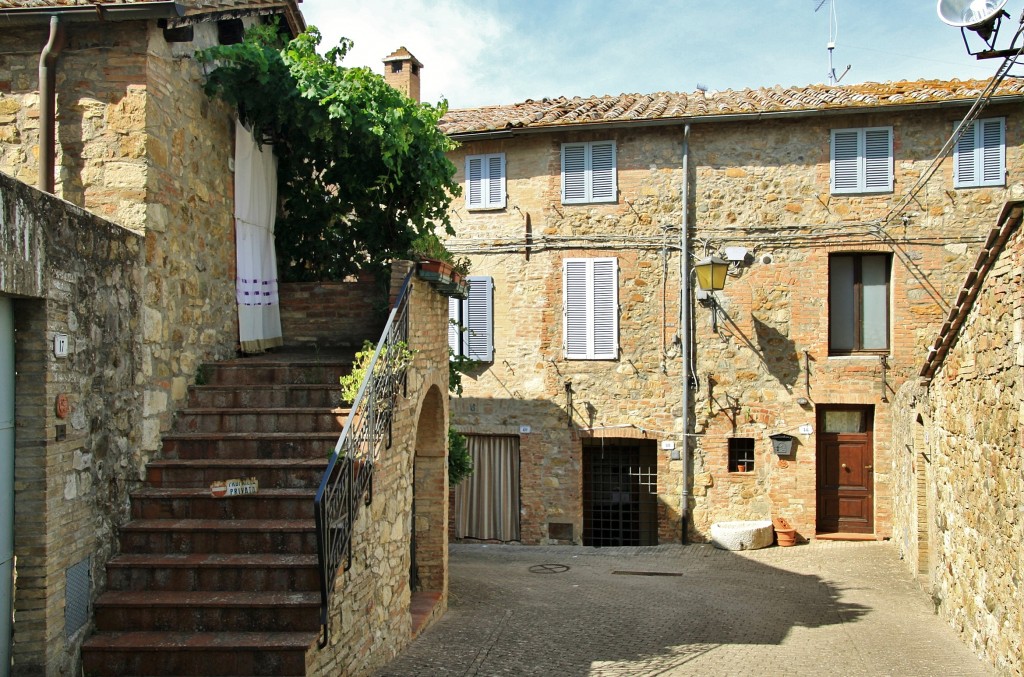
{"type": "Point", "coordinates": [362, 169]}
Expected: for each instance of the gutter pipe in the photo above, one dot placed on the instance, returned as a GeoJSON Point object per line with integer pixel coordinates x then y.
{"type": "Point", "coordinates": [57, 17]}
{"type": "Point", "coordinates": [48, 104]}
{"type": "Point", "coordinates": [684, 331]}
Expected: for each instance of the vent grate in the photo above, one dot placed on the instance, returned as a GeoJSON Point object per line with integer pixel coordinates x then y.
{"type": "Point", "coordinates": [77, 596]}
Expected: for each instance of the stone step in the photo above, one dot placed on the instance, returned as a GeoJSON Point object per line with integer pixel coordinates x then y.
{"type": "Point", "coordinates": [245, 373]}
{"type": "Point", "coordinates": [260, 420]}
{"type": "Point", "coordinates": [208, 611]}
{"type": "Point", "coordinates": [271, 473]}
{"type": "Point", "coordinates": [277, 395]}
{"type": "Point", "coordinates": [196, 653]}
{"type": "Point", "coordinates": [219, 536]}
{"type": "Point", "coordinates": [248, 445]}
{"type": "Point", "coordinates": [210, 572]}
{"type": "Point", "coordinates": [198, 503]}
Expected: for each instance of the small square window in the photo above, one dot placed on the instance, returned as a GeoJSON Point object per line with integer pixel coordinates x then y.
{"type": "Point", "coordinates": [741, 454]}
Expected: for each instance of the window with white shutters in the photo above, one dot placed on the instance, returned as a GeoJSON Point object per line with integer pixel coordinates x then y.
{"type": "Point", "coordinates": [862, 160]}
{"type": "Point", "coordinates": [471, 321]}
{"type": "Point", "coordinates": [588, 172]}
{"type": "Point", "coordinates": [485, 181]}
{"type": "Point", "coordinates": [591, 308]}
{"type": "Point", "coordinates": [980, 156]}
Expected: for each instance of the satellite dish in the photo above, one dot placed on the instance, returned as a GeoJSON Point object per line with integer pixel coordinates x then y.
{"type": "Point", "coordinates": [969, 13]}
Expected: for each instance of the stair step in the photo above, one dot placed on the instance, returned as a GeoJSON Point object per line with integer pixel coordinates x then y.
{"type": "Point", "coordinates": [249, 445]}
{"type": "Point", "coordinates": [219, 536]}
{"type": "Point", "coordinates": [277, 395]}
{"type": "Point", "coordinates": [213, 571]}
{"type": "Point", "coordinates": [208, 611]}
{"type": "Point", "coordinates": [196, 653]}
{"type": "Point", "coordinates": [245, 373]}
{"type": "Point", "coordinates": [260, 420]}
{"type": "Point", "coordinates": [197, 503]}
{"type": "Point", "coordinates": [272, 473]}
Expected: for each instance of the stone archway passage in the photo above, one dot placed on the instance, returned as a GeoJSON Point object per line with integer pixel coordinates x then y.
{"type": "Point", "coordinates": [430, 497]}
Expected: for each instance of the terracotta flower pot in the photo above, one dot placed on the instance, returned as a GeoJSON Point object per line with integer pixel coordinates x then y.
{"type": "Point", "coordinates": [785, 534]}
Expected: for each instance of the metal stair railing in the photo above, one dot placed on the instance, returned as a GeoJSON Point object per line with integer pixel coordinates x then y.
{"type": "Point", "coordinates": [348, 479]}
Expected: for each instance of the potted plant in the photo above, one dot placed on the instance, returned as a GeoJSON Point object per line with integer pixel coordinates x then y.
{"type": "Point", "coordinates": [439, 266]}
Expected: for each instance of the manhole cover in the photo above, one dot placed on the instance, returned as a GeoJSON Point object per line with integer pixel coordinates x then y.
{"type": "Point", "coordinates": [548, 568]}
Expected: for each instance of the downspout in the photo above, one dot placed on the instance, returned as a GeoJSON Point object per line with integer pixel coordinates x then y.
{"type": "Point", "coordinates": [686, 350]}
{"type": "Point", "coordinates": [48, 104]}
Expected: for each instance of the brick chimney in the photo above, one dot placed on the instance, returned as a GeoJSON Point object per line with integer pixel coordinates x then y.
{"type": "Point", "coordinates": [402, 71]}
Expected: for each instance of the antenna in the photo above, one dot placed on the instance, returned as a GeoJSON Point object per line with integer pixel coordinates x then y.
{"type": "Point", "coordinates": [833, 34]}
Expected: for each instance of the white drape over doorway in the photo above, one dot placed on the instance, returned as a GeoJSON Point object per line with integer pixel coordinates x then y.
{"type": "Point", "coordinates": [259, 311]}
{"type": "Point", "coordinates": [487, 502]}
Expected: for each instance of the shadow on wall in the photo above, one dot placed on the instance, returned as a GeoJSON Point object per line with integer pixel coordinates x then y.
{"type": "Point", "coordinates": [658, 613]}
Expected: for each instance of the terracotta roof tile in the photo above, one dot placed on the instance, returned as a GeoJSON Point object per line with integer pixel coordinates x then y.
{"type": "Point", "coordinates": [561, 111]}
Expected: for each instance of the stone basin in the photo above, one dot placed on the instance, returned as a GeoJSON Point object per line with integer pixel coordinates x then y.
{"type": "Point", "coordinates": [746, 535]}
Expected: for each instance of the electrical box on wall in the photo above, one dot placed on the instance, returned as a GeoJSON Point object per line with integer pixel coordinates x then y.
{"type": "Point", "coordinates": [60, 345]}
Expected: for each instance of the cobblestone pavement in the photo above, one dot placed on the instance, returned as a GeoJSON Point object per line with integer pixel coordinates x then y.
{"type": "Point", "coordinates": [826, 608]}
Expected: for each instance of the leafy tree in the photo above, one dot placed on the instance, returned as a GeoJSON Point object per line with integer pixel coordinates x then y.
{"type": "Point", "coordinates": [361, 167]}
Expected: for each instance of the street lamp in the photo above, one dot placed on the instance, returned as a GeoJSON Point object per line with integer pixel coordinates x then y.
{"type": "Point", "coordinates": [711, 274]}
{"type": "Point", "coordinates": [981, 16]}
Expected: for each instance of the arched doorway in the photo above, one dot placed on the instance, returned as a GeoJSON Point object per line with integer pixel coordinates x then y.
{"type": "Point", "coordinates": [428, 568]}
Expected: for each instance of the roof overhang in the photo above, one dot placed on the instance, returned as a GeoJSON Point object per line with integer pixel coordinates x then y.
{"type": "Point", "coordinates": [136, 11]}
{"type": "Point", "coordinates": [725, 118]}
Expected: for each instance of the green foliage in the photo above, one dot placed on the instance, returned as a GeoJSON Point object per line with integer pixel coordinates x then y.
{"type": "Point", "coordinates": [457, 366]}
{"type": "Point", "coordinates": [460, 463]}
{"type": "Point", "coordinates": [400, 359]}
{"type": "Point", "coordinates": [362, 169]}
{"type": "Point", "coordinates": [429, 246]}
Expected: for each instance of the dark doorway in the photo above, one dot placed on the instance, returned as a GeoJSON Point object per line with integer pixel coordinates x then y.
{"type": "Point", "coordinates": [846, 493]}
{"type": "Point", "coordinates": [620, 492]}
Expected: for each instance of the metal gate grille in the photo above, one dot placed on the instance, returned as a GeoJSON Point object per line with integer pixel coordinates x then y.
{"type": "Point", "coordinates": [620, 492]}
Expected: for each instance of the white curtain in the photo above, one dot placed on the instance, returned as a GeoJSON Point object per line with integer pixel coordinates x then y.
{"type": "Point", "coordinates": [259, 316]}
{"type": "Point", "coordinates": [487, 502]}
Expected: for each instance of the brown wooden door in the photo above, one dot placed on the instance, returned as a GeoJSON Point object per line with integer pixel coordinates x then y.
{"type": "Point", "coordinates": [846, 494]}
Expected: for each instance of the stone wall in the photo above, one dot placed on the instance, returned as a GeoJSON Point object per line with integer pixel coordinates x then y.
{"type": "Point", "coordinates": [328, 314]}
{"type": "Point", "coordinates": [956, 456]}
{"type": "Point", "coordinates": [76, 274]}
{"type": "Point", "coordinates": [760, 185]}
{"type": "Point", "coordinates": [370, 612]}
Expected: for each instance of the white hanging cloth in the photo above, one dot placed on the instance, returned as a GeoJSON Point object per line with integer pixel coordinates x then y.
{"type": "Point", "coordinates": [259, 310]}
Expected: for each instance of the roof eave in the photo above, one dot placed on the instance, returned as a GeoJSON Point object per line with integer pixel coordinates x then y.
{"type": "Point", "coordinates": [139, 11]}
{"type": "Point", "coordinates": [508, 132]}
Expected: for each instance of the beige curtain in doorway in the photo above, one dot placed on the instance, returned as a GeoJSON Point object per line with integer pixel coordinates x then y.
{"type": "Point", "coordinates": [487, 502]}
{"type": "Point", "coordinates": [259, 311]}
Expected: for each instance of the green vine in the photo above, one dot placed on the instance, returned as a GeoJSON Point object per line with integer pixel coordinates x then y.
{"type": "Point", "coordinates": [362, 169]}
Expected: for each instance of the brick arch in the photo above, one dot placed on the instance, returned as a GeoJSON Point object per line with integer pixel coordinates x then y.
{"type": "Point", "coordinates": [430, 495]}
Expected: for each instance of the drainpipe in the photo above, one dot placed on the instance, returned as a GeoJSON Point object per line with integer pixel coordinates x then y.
{"type": "Point", "coordinates": [684, 331]}
{"type": "Point", "coordinates": [48, 104]}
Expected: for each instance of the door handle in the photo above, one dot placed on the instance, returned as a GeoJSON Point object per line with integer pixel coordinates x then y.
{"type": "Point", "coordinates": [869, 467]}
{"type": "Point", "coordinates": [845, 467]}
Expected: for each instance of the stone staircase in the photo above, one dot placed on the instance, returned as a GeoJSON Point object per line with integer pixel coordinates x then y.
{"type": "Point", "coordinates": [225, 586]}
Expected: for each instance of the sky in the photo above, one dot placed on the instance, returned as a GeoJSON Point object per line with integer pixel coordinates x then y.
{"type": "Point", "coordinates": [493, 52]}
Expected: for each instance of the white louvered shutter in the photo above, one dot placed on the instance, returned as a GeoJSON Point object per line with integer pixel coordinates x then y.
{"type": "Point", "coordinates": [479, 318]}
{"type": "Point", "coordinates": [574, 292]}
{"type": "Point", "coordinates": [574, 172]}
{"type": "Point", "coordinates": [992, 151]}
{"type": "Point", "coordinates": [475, 182]}
{"type": "Point", "coordinates": [591, 321]}
{"type": "Point", "coordinates": [965, 160]}
{"type": "Point", "coordinates": [605, 310]}
{"type": "Point", "coordinates": [602, 171]}
{"type": "Point", "coordinates": [845, 160]}
{"type": "Point", "coordinates": [495, 181]}
{"type": "Point", "coordinates": [878, 159]}
{"type": "Point", "coordinates": [455, 336]}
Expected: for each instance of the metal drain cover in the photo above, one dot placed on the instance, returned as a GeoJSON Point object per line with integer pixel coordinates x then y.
{"type": "Point", "coordinates": [548, 569]}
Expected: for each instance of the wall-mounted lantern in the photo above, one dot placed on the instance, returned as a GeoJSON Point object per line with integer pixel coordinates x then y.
{"type": "Point", "coordinates": [711, 273]}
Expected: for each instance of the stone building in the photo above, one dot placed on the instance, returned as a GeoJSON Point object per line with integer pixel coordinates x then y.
{"type": "Point", "coordinates": [612, 401]}
{"type": "Point", "coordinates": [957, 476]}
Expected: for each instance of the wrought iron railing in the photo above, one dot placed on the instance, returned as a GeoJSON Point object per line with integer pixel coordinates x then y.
{"type": "Point", "coordinates": [348, 480]}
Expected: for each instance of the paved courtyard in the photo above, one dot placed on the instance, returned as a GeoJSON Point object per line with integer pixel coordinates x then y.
{"type": "Point", "coordinates": [827, 608]}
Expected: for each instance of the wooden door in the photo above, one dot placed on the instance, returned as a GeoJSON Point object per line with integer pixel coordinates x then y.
{"type": "Point", "coordinates": [846, 494]}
